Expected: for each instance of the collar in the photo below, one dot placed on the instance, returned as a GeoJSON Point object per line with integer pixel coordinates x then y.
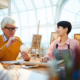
{"type": "Point", "coordinates": [4, 38]}
{"type": "Point", "coordinates": [67, 42]}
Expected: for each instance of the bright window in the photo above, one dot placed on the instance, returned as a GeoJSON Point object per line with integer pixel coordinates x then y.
{"type": "Point", "coordinates": [39, 3]}
{"type": "Point", "coordinates": [28, 4]}
{"type": "Point", "coordinates": [43, 32]}
{"type": "Point", "coordinates": [20, 5]}
{"type": "Point", "coordinates": [24, 19]}
{"type": "Point", "coordinates": [32, 17]}
{"type": "Point", "coordinates": [69, 16]}
{"type": "Point", "coordinates": [78, 18]}
{"type": "Point", "coordinates": [49, 16]}
{"type": "Point", "coordinates": [15, 16]}
{"type": "Point", "coordinates": [25, 36]}
{"type": "Point", "coordinates": [73, 5]}
{"type": "Point", "coordinates": [41, 14]}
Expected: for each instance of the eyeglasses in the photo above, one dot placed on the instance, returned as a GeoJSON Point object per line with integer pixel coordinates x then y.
{"type": "Point", "coordinates": [11, 29]}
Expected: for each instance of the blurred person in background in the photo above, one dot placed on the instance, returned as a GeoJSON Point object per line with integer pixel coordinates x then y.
{"type": "Point", "coordinates": [9, 46]}
{"type": "Point", "coordinates": [11, 74]}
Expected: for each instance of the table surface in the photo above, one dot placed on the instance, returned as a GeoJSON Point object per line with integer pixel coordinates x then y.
{"type": "Point", "coordinates": [32, 73]}
{"type": "Point", "coordinates": [41, 70]}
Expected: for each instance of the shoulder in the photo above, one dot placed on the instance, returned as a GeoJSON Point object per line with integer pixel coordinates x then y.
{"type": "Point", "coordinates": [74, 42]}
{"type": "Point", "coordinates": [1, 37]}
{"type": "Point", "coordinates": [17, 37]}
{"type": "Point", "coordinates": [55, 42]}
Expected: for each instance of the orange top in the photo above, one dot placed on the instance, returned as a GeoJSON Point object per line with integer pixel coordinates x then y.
{"type": "Point", "coordinates": [10, 53]}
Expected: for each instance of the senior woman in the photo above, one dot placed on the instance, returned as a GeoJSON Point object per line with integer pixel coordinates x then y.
{"type": "Point", "coordinates": [9, 46]}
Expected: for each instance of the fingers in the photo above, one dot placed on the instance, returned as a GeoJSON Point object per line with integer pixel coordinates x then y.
{"type": "Point", "coordinates": [43, 59]}
{"type": "Point", "coordinates": [25, 55]}
{"type": "Point", "coordinates": [11, 41]}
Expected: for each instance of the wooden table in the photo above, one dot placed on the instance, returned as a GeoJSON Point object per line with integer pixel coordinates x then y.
{"type": "Point", "coordinates": [41, 70]}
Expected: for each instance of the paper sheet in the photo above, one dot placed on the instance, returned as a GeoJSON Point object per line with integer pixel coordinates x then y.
{"type": "Point", "coordinates": [30, 75]}
{"type": "Point", "coordinates": [13, 62]}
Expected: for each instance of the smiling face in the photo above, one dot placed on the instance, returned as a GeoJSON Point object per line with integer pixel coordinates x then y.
{"type": "Point", "coordinates": [61, 31]}
{"type": "Point", "coordinates": [7, 30]}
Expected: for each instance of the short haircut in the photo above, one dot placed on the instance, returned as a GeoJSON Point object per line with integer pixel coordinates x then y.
{"type": "Point", "coordinates": [7, 20]}
{"type": "Point", "coordinates": [65, 24]}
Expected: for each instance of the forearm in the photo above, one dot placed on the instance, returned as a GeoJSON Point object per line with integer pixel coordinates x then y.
{"type": "Point", "coordinates": [50, 52]}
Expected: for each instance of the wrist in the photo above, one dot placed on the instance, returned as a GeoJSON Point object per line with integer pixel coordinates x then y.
{"type": "Point", "coordinates": [7, 45]}
{"type": "Point", "coordinates": [27, 59]}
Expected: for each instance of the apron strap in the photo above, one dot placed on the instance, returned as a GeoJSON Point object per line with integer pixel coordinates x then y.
{"type": "Point", "coordinates": [56, 45]}
{"type": "Point", "coordinates": [68, 46]}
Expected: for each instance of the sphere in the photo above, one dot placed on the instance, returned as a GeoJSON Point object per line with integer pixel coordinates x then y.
{"type": "Point", "coordinates": [24, 48]}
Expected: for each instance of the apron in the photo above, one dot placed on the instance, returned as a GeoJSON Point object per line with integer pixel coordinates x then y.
{"type": "Point", "coordinates": [61, 54]}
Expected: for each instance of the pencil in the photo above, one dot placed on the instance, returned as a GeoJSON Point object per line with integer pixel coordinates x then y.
{"type": "Point", "coordinates": [20, 42]}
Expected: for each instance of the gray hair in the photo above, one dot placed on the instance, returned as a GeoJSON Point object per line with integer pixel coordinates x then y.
{"type": "Point", "coordinates": [7, 20]}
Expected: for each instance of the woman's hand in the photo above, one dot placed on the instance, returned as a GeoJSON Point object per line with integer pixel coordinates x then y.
{"type": "Point", "coordinates": [25, 56]}
{"type": "Point", "coordinates": [43, 59]}
{"type": "Point", "coordinates": [11, 41]}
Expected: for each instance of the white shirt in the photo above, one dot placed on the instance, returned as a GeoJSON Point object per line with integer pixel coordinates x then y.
{"type": "Point", "coordinates": [4, 38]}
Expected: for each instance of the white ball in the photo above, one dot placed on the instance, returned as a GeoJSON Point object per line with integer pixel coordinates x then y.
{"type": "Point", "coordinates": [24, 48]}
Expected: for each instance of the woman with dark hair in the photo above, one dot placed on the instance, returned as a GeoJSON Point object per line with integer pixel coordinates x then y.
{"type": "Point", "coordinates": [63, 46]}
